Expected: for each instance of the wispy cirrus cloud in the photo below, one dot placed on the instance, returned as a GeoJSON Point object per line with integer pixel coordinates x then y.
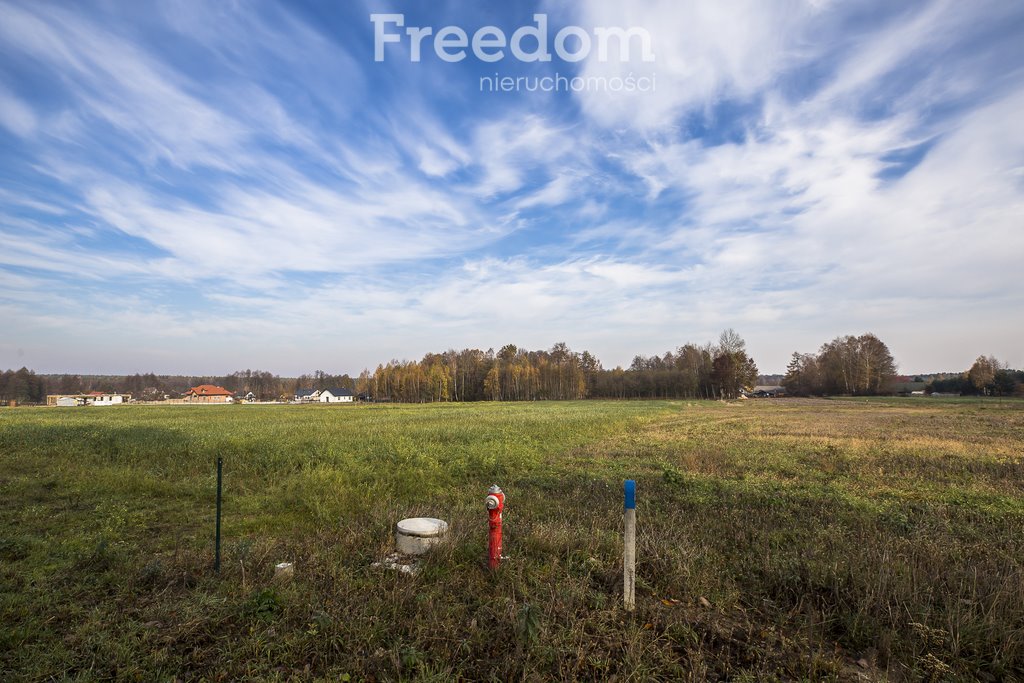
{"type": "Point", "coordinates": [16, 115]}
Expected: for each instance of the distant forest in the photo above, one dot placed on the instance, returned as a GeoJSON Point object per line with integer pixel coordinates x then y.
{"type": "Point", "coordinates": [715, 370]}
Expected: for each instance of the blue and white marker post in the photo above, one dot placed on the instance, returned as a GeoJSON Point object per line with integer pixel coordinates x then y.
{"type": "Point", "coordinates": [629, 548]}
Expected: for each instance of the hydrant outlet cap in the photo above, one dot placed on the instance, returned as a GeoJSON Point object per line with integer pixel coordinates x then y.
{"type": "Point", "coordinates": [491, 502]}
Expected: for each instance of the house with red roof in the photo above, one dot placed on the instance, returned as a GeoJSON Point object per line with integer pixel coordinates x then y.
{"type": "Point", "coordinates": [209, 393]}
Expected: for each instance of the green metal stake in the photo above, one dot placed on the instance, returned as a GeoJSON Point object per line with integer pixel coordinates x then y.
{"type": "Point", "coordinates": [216, 559]}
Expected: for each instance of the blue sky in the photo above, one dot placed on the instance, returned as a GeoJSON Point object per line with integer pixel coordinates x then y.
{"type": "Point", "coordinates": [199, 187]}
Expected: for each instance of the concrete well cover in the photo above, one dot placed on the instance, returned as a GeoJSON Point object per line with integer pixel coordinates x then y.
{"type": "Point", "coordinates": [422, 527]}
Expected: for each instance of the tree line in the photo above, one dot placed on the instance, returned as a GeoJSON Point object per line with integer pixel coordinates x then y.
{"type": "Point", "coordinates": [988, 376]}
{"type": "Point", "coordinates": [692, 371]}
{"type": "Point", "coordinates": [23, 386]}
{"type": "Point", "coordinates": [711, 370]}
{"type": "Point", "coordinates": [856, 366]}
{"type": "Point", "coordinates": [719, 370]}
{"type": "Point", "coordinates": [510, 374]}
{"type": "Point", "coordinates": [851, 365]}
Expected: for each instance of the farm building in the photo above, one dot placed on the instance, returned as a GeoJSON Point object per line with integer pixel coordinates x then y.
{"type": "Point", "coordinates": [93, 398]}
{"type": "Point", "coordinates": [335, 396]}
{"type": "Point", "coordinates": [209, 393]}
{"type": "Point", "coordinates": [306, 395]}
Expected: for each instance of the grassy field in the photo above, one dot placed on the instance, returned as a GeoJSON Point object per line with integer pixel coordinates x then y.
{"type": "Point", "coordinates": [778, 539]}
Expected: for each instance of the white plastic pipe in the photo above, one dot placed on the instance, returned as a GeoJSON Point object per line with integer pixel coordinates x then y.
{"type": "Point", "coordinates": [629, 548]}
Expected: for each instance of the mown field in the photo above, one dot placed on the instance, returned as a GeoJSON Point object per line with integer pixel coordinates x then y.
{"type": "Point", "coordinates": [778, 539]}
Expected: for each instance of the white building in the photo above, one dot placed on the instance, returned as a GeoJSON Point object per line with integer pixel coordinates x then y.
{"type": "Point", "coordinates": [335, 396]}
{"type": "Point", "coordinates": [93, 398]}
{"type": "Point", "coordinates": [108, 399]}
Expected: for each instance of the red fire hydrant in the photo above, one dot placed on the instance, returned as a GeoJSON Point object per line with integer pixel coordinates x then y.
{"type": "Point", "coordinates": [495, 503]}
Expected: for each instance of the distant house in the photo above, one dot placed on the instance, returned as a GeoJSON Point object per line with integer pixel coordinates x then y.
{"type": "Point", "coordinates": [93, 398]}
{"type": "Point", "coordinates": [907, 388]}
{"type": "Point", "coordinates": [209, 393]}
{"type": "Point", "coordinates": [98, 398]}
{"type": "Point", "coordinates": [307, 395]}
{"type": "Point", "coordinates": [335, 396]}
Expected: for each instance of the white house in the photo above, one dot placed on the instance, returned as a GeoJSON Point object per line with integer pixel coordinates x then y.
{"type": "Point", "coordinates": [93, 398]}
{"type": "Point", "coordinates": [99, 399]}
{"type": "Point", "coordinates": [335, 396]}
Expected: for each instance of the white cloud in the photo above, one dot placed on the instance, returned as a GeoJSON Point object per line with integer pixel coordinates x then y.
{"type": "Point", "coordinates": [302, 227]}
{"type": "Point", "coordinates": [15, 115]}
{"type": "Point", "coordinates": [557, 192]}
{"type": "Point", "coordinates": [704, 51]}
{"type": "Point", "coordinates": [511, 149]}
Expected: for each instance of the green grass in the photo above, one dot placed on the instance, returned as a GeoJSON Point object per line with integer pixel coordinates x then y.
{"type": "Point", "coordinates": [778, 539]}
